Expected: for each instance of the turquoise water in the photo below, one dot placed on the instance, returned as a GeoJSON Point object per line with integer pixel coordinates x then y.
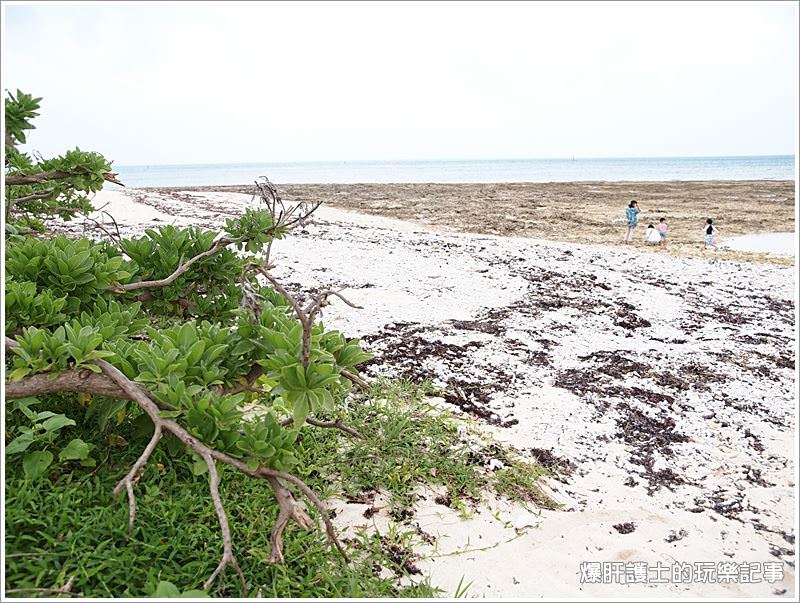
{"type": "Point", "coordinates": [765, 167]}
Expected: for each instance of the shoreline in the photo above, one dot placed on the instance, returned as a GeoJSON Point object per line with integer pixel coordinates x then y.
{"type": "Point", "coordinates": [572, 212]}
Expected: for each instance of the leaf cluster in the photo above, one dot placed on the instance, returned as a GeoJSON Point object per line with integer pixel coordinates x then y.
{"type": "Point", "coordinates": [79, 271]}
{"type": "Point", "coordinates": [65, 317]}
{"type": "Point", "coordinates": [67, 180]}
{"type": "Point", "coordinates": [35, 441]}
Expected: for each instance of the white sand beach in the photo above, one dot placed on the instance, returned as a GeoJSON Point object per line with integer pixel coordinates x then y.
{"type": "Point", "coordinates": [780, 243]}
{"type": "Point", "coordinates": [666, 384]}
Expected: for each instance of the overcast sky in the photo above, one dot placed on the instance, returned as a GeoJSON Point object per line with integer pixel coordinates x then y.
{"type": "Point", "coordinates": [201, 83]}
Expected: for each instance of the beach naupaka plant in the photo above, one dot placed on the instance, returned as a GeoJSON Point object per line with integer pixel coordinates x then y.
{"type": "Point", "coordinates": [38, 188]}
{"type": "Point", "coordinates": [184, 332]}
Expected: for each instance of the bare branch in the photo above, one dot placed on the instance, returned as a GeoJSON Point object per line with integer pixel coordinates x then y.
{"type": "Point", "coordinates": [321, 301]}
{"type": "Point", "coordinates": [337, 424]}
{"type": "Point", "coordinates": [78, 381]}
{"type": "Point", "coordinates": [283, 217]}
{"type": "Point", "coordinates": [227, 555]}
{"type": "Point", "coordinates": [33, 197]}
{"type": "Point", "coordinates": [255, 372]}
{"type": "Point", "coordinates": [309, 493]}
{"type": "Point", "coordinates": [355, 379]}
{"type": "Point", "coordinates": [181, 269]}
{"type": "Point", "coordinates": [288, 510]}
{"type": "Point", "coordinates": [54, 175]}
{"type": "Point", "coordinates": [114, 222]}
{"type": "Point", "coordinates": [298, 310]}
{"type": "Point", "coordinates": [136, 392]}
{"type": "Point", "coordinates": [133, 476]}
{"type": "Point", "coordinates": [116, 240]}
{"type": "Point", "coordinates": [306, 317]}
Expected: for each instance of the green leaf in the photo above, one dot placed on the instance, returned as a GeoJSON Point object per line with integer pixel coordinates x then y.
{"type": "Point", "coordinates": [199, 467]}
{"type": "Point", "coordinates": [36, 463]}
{"type": "Point", "coordinates": [168, 414]}
{"type": "Point", "coordinates": [327, 400]}
{"type": "Point", "coordinates": [24, 405]}
{"type": "Point", "coordinates": [195, 353]}
{"type": "Point", "coordinates": [19, 444]}
{"type": "Point", "coordinates": [57, 422]}
{"type": "Point", "coordinates": [294, 377]}
{"type": "Point", "coordinates": [300, 411]}
{"type": "Point", "coordinates": [194, 594]}
{"type": "Point", "coordinates": [186, 335]}
{"type": "Point", "coordinates": [166, 590]}
{"type": "Point", "coordinates": [18, 373]}
{"type": "Point", "coordinates": [76, 450]}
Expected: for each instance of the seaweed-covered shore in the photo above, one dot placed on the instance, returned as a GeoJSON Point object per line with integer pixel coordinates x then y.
{"type": "Point", "coordinates": [666, 384]}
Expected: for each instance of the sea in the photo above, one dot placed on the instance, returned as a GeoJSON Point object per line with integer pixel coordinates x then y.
{"type": "Point", "coordinates": [762, 167]}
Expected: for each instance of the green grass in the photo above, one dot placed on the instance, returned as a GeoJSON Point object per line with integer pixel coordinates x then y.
{"type": "Point", "coordinates": [69, 524]}
{"type": "Point", "coordinates": [519, 482]}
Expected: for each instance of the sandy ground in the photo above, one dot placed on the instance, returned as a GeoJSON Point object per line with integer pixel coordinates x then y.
{"type": "Point", "coordinates": [581, 212]}
{"type": "Point", "coordinates": [663, 386]}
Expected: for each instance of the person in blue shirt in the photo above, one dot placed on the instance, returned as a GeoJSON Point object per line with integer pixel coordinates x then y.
{"type": "Point", "coordinates": [632, 218]}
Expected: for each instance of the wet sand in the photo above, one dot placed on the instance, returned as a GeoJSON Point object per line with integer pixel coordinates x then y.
{"type": "Point", "coordinates": [579, 212]}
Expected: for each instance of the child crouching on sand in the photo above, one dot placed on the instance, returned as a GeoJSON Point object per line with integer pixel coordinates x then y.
{"type": "Point", "coordinates": [662, 232]}
{"type": "Point", "coordinates": [710, 231]}
{"type": "Point", "coordinates": [651, 236]}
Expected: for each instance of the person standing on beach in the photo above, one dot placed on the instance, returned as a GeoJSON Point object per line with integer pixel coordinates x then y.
{"type": "Point", "coordinates": [710, 231]}
{"type": "Point", "coordinates": [632, 217]}
{"type": "Point", "coordinates": [662, 231]}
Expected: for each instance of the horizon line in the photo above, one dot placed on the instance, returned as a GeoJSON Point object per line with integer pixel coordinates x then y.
{"type": "Point", "coordinates": [452, 160]}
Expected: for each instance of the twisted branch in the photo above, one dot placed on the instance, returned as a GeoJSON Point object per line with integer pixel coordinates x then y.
{"type": "Point", "coordinates": [227, 555]}
{"type": "Point", "coordinates": [305, 316]}
{"type": "Point", "coordinates": [283, 219]}
{"type": "Point", "coordinates": [181, 269]}
{"type": "Point", "coordinates": [135, 392]}
{"type": "Point", "coordinates": [355, 379]}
